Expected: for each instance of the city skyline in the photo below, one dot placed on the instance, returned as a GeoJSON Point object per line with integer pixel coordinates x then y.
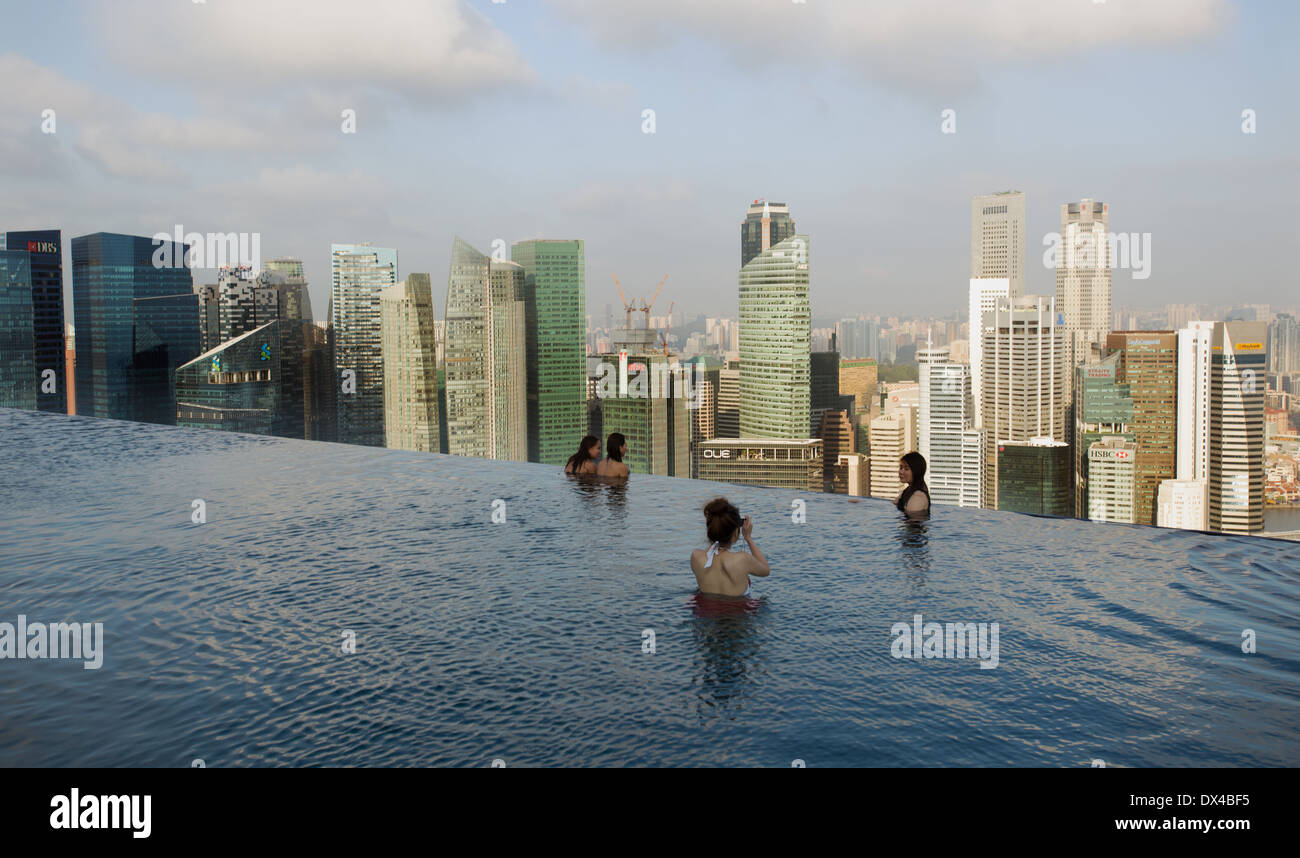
{"type": "Point", "coordinates": [877, 180]}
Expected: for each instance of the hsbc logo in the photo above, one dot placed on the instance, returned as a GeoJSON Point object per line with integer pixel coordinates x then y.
{"type": "Point", "coordinates": [42, 247]}
{"type": "Point", "coordinates": [717, 454]}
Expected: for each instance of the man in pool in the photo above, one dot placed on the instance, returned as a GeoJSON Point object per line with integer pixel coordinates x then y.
{"type": "Point", "coordinates": [718, 570]}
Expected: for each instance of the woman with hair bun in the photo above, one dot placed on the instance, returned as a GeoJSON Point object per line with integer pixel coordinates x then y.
{"type": "Point", "coordinates": [718, 570]}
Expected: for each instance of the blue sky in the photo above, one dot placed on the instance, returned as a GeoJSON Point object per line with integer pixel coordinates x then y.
{"type": "Point", "coordinates": [523, 119]}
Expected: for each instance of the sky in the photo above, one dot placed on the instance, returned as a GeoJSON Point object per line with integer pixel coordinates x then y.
{"type": "Point", "coordinates": [514, 120]}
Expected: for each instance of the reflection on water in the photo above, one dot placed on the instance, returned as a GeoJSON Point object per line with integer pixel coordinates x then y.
{"type": "Point", "coordinates": [521, 638]}
{"type": "Point", "coordinates": [727, 645]}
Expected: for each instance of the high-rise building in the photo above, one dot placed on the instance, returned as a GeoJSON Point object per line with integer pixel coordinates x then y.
{"type": "Point", "coordinates": [644, 396]}
{"type": "Point", "coordinates": [824, 388]}
{"type": "Point", "coordinates": [1236, 472]}
{"type": "Point", "coordinates": [926, 357]}
{"type": "Point", "coordinates": [19, 379]}
{"type": "Point", "coordinates": [851, 475]}
{"type": "Point", "coordinates": [410, 365]}
{"type": "Point", "coordinates": [1148, 364]}
{"type": "Point", "coordinates": [1034, 476]}
{"type": "Point", "coordinates": [891, 435]}
{"type": "Point", "coordinates": [1193, 446]}
{"type": "Point", "coordinates": [704, 373]}
{"type": "Point", "coordinates": [1103, 408]}
{"type": "Point", "coordinates": [947, 419]}
{"type": "Point", "coordinates": [555, 296]}
{"type": "Point", "coordinates": [1112, 480]}
{"type": "Point", "coordinates": [729, 401]}
{"type": "Point", "coordinates": [997, 239]}
{"type": "Point", "coordinates": [775, 342]}
{"type": "Point", "coordinates": [1083, 276]}
{"type": "Point", "coordinates": [836, 434]}
{"type": "Point", "coordinates": [1284, 344]}
{"type": "Point", "coordinates": [765, 225]}
{"type": "Point", "coordinates": [44, 248]}
{"type": "Point", "coordinates": [486, 357]}
{"type": "Point", "coordinates": [1181, 504]}
{"type": "Point", "coordinates": [1024, 379]}
{"type": "Point", "coordinates": [858, 378]}
{"type": "Point", "coordinates": [985, 296]}
{"type": "Point", "coordinates": [776, 462]}
{"type": "Point", "coordinates": [320, 387]}
{"type": "Point", "coordinates": [234, 386]}
{"type": "Point", "coordinates": [136, 322]}
{"type": "Point", "coordinates": [359, 273]}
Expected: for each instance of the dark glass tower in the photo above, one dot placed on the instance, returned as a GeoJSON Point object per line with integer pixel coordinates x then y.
{"type": "Point", "coordinates": [44, 248]}
{"type": "Point", "coordinates": [766, 224]}
{"type": "Point", "coordinates": [136, 322]}
{"type": "Point", "coordinates": [18, 376]}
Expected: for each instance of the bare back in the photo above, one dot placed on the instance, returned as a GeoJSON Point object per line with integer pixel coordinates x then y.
{"type": "Point", "coordinates": [727, 576]}
{"type": "Point", "coordinates": [611, 468]}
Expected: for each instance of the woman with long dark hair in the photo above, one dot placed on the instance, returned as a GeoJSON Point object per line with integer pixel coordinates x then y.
{"type": "Point", "coordinates": [914, 499]}
{"type": "Point", "coordinates": [615, 449]}
{"type": "Point", "coordinates": [584, 461]}
{"type": "Point", "coordinates": [718, 570]}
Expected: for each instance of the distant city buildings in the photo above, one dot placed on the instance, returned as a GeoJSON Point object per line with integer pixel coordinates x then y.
{"type": "Point", "coordinates": [359, 272]}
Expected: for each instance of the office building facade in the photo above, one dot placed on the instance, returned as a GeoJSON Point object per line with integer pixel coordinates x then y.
{"type": "Point", "coordinates": [776, 341]}
{"type": "Point", "coordinates": [44, 249]}
{"type": "Point", "coordinates": [358, 273]}
{"type": "Point", "coordinates": [410, 366]}
{"type": "Point", "coordinates": [776, 462]}
{"type": "Point", "coordinates": [1236, 462]}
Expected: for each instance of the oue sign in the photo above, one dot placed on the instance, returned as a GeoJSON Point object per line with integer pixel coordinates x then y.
{"type": "Point", "coordinates": [717, 454]}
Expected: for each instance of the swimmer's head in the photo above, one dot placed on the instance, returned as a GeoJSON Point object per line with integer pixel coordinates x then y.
{"type": "Point", "coordinates": [615, 446]}
{"type": "Point", "coordinates": [722, 521]}
{"type": "Point", "coordinates": [911, 469]}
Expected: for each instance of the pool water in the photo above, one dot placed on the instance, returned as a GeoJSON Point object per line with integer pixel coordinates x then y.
{"type": "Point", "coordinates": [567, 632]}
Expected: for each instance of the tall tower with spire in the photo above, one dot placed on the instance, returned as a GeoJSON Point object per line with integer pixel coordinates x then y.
{"type": "Point", "coordinates": [765, 224]}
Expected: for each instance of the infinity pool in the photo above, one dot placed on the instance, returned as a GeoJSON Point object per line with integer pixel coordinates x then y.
{"type": "Point", "coordinates": [529, 641]}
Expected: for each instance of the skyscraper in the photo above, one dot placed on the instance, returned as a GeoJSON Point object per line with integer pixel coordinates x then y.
{"type": "Point", "coordinates": [947, 419]}
{"type": "Point", "coordinates": [1193, 445]}
{"type": "Point", "coordinates": [728, 402]}
{"type": "Point", "coordinates": [766, 224]}
{"type": "Point", "coordinates": [891, 436]}
{"type": "Point", "coordinates": [44, 248]}
{"type": "Point", "coordinates": [234, 386]}
{"type": "Point", "coordinates": [926, 357]}
{"type": "Point", "coordinates": [1236, 461]}
{"type": "Point", "coordinates": [1284, 344]}
{"type": "Point", "coordinates": [1083, 276]}
{"type": "Point", "coordinates": [824, 390]}
{"type": "Point", "coordinates": [1112, 480]}
{"type": "Point", "coordinates": [1024, 370]}
{"type": "Point", "coordinates": [486, 357]}
{"type": "Point", "coordinates": [985, 294]}
{"type": "Point", "coordinates": [1103, 408]}
{"type": "Point", "coordinates": [410, 365]}
{"type": "Point", "coordinates": [1034, 476]}
{"type": "Point", "coordinates": [358, 274]}
{"type": "Point", "coordinates": [555, 295]}
{"type": "Point", "coordinates": [136, 322]}
{"type": "Point", "coordinates": [18, 377]}
{"type": "Point", "coordinates": [997, 239]}
{"type": "Point", "coordinates": [776, 342]}
{"type": "Point", "coordinates": [1148, 364]}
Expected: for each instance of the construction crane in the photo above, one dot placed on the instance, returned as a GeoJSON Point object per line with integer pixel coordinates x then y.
{"type": "Point", "coordinates": [629, 307]}
{"type": "Point", "coordinates": [663, 338]}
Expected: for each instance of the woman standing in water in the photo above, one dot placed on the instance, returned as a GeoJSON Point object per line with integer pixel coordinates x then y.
{"type": "Point", "coordinates": [612, 465]}
{"type": "Point", "coordinates": [914, 499]}
{"type": "Point", "coordinates": [584, 461]}
{"type": "Point", "coordinates": [718, 570]}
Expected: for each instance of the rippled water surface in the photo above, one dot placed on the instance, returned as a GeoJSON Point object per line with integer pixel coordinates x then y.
{"type": "Point", "coordinates": [523, 641]}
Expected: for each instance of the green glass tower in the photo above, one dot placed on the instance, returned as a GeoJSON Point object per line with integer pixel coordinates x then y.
{"type": "Point", "coordinates": [1103, 408]}
{"type": "Point", "coordinates": [776, 342]}
{"type": "Point", "coordinates": [555, 300]}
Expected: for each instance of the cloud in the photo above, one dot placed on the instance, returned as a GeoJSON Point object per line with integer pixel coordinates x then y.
{"type": "Point", "coordinates": [427, 50]}
{"type": "Point", "coordinates": [910, 44]}
{"type": "Point", "coordinates": [104, 131]}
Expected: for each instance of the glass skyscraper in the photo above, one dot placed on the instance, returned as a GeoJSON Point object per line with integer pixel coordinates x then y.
{"type": "Point", "coordinates": [18, 377]}
{"type": "Point", "coordinates": [1035, 476]}
{"type": "Point", "coordinates": [235, 386]}
{"type": "Point", "coordinates": [44, 248]}
{"type": "Point", "coordinates": [776, 342]}
{"type": "Point", "coordinates": [555, 297]}
{"type": "Point", "coordinates": [359, 273]}
{"type": "Point", "coordinates": [1103, 408]}
{"type": "Point", "coordinates": [136, 322]}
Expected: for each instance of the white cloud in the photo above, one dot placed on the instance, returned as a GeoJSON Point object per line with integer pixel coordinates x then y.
{"type": "Point", "coordinates": [428, 50]}
{"type": "Point", "coordinates": [914, 44]}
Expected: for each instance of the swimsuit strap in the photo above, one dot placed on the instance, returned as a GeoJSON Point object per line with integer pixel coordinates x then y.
{"type": "Point", "coordinates": [710, 554]}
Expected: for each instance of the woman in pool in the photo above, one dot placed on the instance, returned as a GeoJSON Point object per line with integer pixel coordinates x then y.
{"type": "Point", "coordinates": [914, 499]}
{"type": "Point", "coordinates": [615, 449]}
{"type": "Point", "coordinates": [584, 461]}
{"type": "Point", "coordinates": [720, 571]}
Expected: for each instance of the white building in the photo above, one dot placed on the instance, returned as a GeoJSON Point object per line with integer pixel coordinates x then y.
{"type": "Point", "coordinates": [1181, 504]}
